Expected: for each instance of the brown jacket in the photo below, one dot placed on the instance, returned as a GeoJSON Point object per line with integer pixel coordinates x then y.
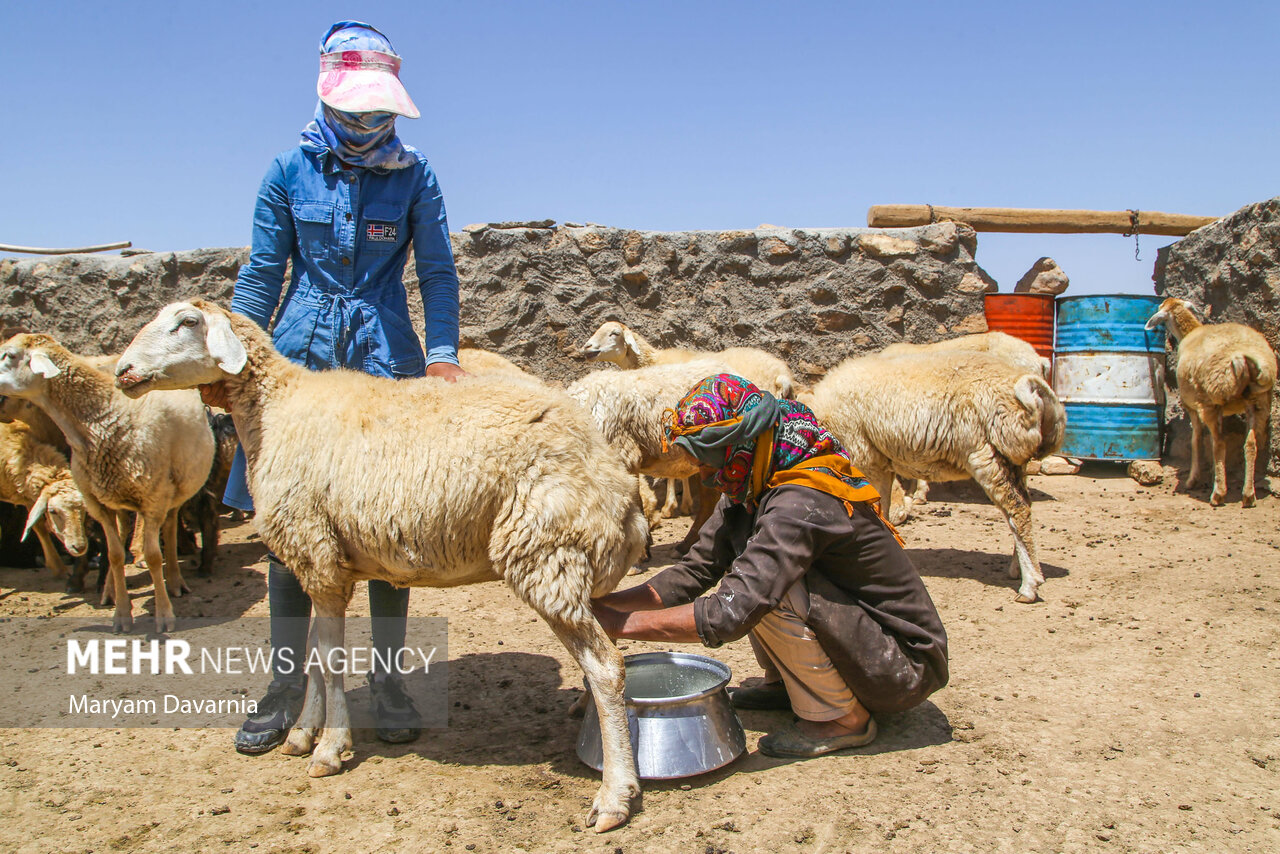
{"type": "Point", "coordinates": [868, 607]}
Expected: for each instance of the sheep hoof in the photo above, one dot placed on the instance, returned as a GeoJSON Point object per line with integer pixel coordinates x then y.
{"type": "Point", "coordinates": [122, 623]}
{"type": "Point", "coordinates": [604, 818]}
{"type": "Point", "coordinates": [299, 743]}
{"type": "Point", "coordinates": [166, 623]}
{"type": "Point", "coordinates": [324, 766]}
{"type": "Point", "coordinates": [1026, 599]}
{"type": "Point", "coordinates": [1216, 500]}
{"type": "Point", "coordinates": [1248, 501]}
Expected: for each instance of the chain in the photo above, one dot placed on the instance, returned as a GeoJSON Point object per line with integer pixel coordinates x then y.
{"type": "Point", "coordinates": [1133, 229]}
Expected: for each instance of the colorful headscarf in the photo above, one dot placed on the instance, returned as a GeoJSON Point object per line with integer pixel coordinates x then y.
{"type": "Point", "coordinates": [756, 442]}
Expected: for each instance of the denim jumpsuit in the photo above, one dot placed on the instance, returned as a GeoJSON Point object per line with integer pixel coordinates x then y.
{"type": "Point", "coordinates": [347, 232]}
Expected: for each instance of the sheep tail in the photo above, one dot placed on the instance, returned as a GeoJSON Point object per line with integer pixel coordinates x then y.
{"type": "Point", "coordinates": [1043, 406]}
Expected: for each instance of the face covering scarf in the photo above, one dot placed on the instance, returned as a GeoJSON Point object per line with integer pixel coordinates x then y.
{"type": "Point", "coordinates": [366, 140]}
{"type": "Point", "coordinates": [757, 442]}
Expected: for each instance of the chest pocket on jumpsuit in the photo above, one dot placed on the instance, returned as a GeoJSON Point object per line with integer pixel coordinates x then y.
{"type": "Point", "coordinates": [384, 228]}
{"type": "Point", "coordinates": [313, 225]}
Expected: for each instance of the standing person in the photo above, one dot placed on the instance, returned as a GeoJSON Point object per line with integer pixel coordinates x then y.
{"type": "Point", "coordinates": [344, 206]}
{"type": "Point", "coordinates": [838, 617]}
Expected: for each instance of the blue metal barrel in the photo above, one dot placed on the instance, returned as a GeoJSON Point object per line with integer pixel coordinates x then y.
{"type": "Point", "coordinates": [1109, 374]}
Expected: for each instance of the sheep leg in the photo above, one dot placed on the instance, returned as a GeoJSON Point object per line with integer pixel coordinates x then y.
{"type": "Point", "coordinates": [302, 738]}
{"type": "Point", "coordinates": [602, 664]}
{"type": "Point", "coordinates": [335, 737]}
{"type": "Point", "coordinates": [51, 559]}
{"type": "Point", "coordinates": [686, 498]}
{"type": "Point", "coordinates": [1197, 442]}
{"type": "Point", "coordinates": [123, 524]}
{"type": "Point", "coordinates": [1249, 496]}
{"type": "Point", "coordinates": [1213, 421]}
{"type": "Point", "coordinates": [1006, 486]}
{"type": "Point", "coordinates": [669, 501]}
{"type": "Point", "coordinates": [172, 568]}
{"type": "Point", "coordinates": [165, 619]}
{"type": "Point", "coordinates": [115, 588]}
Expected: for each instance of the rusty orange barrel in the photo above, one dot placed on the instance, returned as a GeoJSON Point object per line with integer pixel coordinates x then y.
{"type": "Point", "coordinates": [1025, 316]}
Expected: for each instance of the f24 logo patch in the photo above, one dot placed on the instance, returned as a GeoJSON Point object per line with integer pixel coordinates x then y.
{"type": "Point", "coordinates": [379, 232]}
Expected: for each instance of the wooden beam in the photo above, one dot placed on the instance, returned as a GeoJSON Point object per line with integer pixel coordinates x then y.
{"type": "Point", "coordinates": [1038, 220]}
{"type": "Point", "coordinates": [35, 250]}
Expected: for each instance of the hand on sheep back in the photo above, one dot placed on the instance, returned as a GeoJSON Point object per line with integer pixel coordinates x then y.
{"type": "Point", "coordinates": [947, 416]}
{"type": "Point", "coordinates": [418, 484]}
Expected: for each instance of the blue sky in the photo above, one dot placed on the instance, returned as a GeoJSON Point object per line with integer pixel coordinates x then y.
{"type": "Point", "coordinates": [154, 122]}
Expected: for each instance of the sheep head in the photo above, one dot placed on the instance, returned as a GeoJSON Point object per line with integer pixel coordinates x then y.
{"type": "Point", "coordinates": [27, 362]}
{"type": "Point", "coordinates": [62, 504]}
{"type": "Point", "coordinates": [612, 342]}
{"type": "Point", "coordinates": [1176, 315]}
{"type": "Point", "coordinates": [186, 345]}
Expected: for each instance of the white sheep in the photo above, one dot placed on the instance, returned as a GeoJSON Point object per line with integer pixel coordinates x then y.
{"type": "Point", "coordinates": [147, 456]}
{"type": "Point", "coordinates": [628, 408]}
{"type": "Point", "coordinates": [1223, 369]}
{"type": "Point", "coordinates": [474, 360]}
{"type": "Point", "coordinates": [36, 475]}
{"type": "Point", "coordinates": [1013, 350]}
{"type": "Point", "coordinates": [616, 342]}
{"type": "Point", "coordinates": [419, 483]}
{"type": "Point", "coordinates": [947, 416]}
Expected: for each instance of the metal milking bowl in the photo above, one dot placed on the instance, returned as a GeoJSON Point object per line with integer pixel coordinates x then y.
{"type": "Point", "coordinates": [678, 713]}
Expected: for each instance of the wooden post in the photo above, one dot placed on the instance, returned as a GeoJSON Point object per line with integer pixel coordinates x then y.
{"type": "Point", "coordinates": [1037, 220]}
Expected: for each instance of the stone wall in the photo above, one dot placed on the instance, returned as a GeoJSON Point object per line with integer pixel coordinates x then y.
{"type": "Point", "coordinates": [1230, 271]}
{"type": "Point", "coordinates": [535, 292]}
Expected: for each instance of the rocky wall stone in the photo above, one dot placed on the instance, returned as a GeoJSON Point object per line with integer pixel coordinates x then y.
{"type": "Point", "coordinates": [1230, 271]}
{"type": "Point", "coordinates": [534, 292]}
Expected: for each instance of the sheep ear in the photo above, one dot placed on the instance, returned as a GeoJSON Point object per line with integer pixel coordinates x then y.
{"type": "Point", "coordinates": [629, 337]}
{"type": "Point", "coordinates": [36, 514]}
{"type": "Point", "coordinates": [223, 344]}
{"type": "Point", "coordinates": [43, 365]}
{"type": "Point", "coordinates": [1156, 319]}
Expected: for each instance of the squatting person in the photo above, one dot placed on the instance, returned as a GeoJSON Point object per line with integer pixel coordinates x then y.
{"type": "Point", "coordinates": [344, 206]}
{"type": "Point", "coordinates": [837, 615]}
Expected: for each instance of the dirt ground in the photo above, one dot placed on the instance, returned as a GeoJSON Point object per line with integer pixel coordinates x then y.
{"type": "Point", "coordinates": [1135, 710]}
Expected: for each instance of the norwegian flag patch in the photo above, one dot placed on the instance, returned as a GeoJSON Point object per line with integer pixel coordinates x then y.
{"type": "Point", "coordinates": [380, 232]}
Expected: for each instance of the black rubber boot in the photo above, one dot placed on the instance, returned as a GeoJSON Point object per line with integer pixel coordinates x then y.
{"type": "Point", "coordinates": [393, 710]}
{"type": "Point", "coordinates": [278, 710]}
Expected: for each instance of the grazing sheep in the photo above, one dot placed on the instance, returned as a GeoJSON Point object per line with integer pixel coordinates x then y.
{"type": "Point", "coordinates": [1223, 369]}
{"type": "Point", "coordinates": [36, 475]}
{"type": "Point", "coordinates": [947, 416]}
{"type": "Point", "coordinates": [616, 342]}
{"type": "Point", "coordinates": [148, 456]}
{"type": "Point", "coordinates": [627, 406]}
{"type": "Point", "coordinates": [419, 483]}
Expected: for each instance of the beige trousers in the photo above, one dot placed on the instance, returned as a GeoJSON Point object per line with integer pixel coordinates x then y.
{"type": "Point", "coordinates": [788, 651]}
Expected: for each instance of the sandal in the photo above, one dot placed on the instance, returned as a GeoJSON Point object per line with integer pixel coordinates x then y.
{"type": "Point", "coordinates": [792, 743]}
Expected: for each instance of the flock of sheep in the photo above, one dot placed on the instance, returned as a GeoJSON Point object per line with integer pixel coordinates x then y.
{"type": "Point", "coordinates": [510, 478]}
